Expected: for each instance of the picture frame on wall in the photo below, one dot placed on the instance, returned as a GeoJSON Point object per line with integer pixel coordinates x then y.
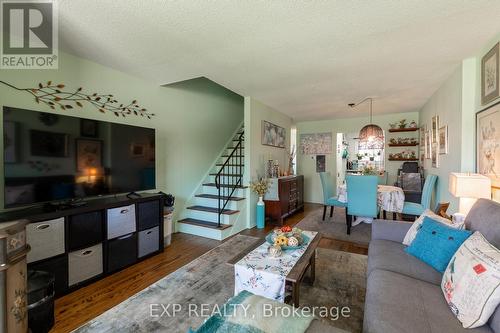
{"type": "Point", "coordinates": [320, 163]}
{"type": "Point", "coordinates": [443, 140]}
{"type": "Point", "coordinates": [490, 75]}
{"type": "Point", "coordinates": [435, 129]}
{"type": "Point", "coordinates": [435, 155]}
{"type": "Point", "coordinates": [273, 135]}
{"type": "Point", "coordinates": [488, 145]}
{"type": "Point", "coordinates": [428, 144]}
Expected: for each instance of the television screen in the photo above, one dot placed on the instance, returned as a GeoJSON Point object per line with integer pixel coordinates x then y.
{"type": "Point", "coordinates": [53, 157]}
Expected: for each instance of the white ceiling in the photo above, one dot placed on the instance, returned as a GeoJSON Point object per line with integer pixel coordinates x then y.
{"type": "Point", "coordinates": [307, 59]}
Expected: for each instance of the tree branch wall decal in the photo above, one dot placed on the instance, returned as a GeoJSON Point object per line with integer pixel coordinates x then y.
{"type": "Point", "coordinates": [55, 96]}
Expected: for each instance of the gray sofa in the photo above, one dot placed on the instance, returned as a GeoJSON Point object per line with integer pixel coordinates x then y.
{"type": "Point", "coordinates": [404, 294]}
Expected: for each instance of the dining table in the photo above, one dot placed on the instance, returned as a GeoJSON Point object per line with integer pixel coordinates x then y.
{"type": "Point", "coordinates": [389, 199]}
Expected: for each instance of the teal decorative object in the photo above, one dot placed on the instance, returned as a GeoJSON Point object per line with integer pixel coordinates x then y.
{"type": "Point", "coordinates": [261, 214]}
{"type": "Point", "coordinates": [305, 241]}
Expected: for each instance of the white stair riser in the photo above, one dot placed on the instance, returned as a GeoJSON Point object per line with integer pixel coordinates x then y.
{"type": "Point", "coordinates": [200, 231]}
{"type": "Point", "coordinates": [233, 205]}
{"type": "Point", "coordinates": [207, 216]}
{"type": "Point", "coordinates": [239, 192]}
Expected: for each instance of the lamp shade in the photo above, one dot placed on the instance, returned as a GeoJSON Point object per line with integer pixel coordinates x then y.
{"type": "Point", "coordinates": [470, 185]}
{"type": "Point", "coordinates": [371, 136]}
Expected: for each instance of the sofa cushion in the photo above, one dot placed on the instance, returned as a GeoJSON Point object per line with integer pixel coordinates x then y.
{"type": "Point", "coordinates": [436, 243]}
{"type": "Point", "coordinates": [412, 233]}
{"type": "Point", "coordinates": [485, 218]}
{"type": "Point", "coordinates": [398, 303]}
{"type": "Point", "coordinates": [391, 256]}
{"type": "Point", "coordinates": [471, 281]}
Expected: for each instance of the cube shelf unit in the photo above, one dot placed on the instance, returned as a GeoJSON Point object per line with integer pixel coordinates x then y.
{"type": "Point", "coordinates": [83, 244]}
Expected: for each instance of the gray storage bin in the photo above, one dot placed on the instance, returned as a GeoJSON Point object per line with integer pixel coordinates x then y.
{"type": "Point", "coordinates": [121, 221]}
{"type": "Point", "coordinates": [84, 264]}
{"type": "Point", "coordinates": [45, 238]}
{"type": "Point", "coordinates": [149, 241]}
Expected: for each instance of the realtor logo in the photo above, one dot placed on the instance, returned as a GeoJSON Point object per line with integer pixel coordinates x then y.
{"type": "Point", "coordinates": [29, 34]}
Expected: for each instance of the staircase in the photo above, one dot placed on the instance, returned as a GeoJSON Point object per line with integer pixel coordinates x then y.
{"type": "Point", "coordinates": [215, 211]}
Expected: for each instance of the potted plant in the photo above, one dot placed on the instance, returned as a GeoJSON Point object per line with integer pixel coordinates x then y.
{"type": "Point", "coordinates": [369, 170]}
{"type": "Point", "coordinates": [359, 156]}
{"type": "Point", "coordinates": [402, 123]}
{"type": "Point", "coordinates": [260, 187]}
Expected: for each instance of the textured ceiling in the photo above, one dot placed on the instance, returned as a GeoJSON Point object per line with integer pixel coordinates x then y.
{"type": "Point", "coordinates": [307, 59]}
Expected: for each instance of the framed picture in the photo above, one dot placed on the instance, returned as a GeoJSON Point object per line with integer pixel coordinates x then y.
{"type": "Point", "coordinates": [137, 150]}
{"type": "Point", "coordinates": [422, 130]}
{"type": "Point", "coordinates": [89, 128]}
{"type": "Point", "coordinates": [273, 135]}
{"type": "Point", "coordinates": [316, 143]}
{"type": "Point", "coordinates": [489, 75]}
{"type": "Point", "coordinates": [428, 144]}
{"type": "Point", "coordinates": [443, 140]}
{"type": "Point", "coordinates": [488, 144]}
{"type": "Point", "coordinates": [320, 163]}
{"type": "Point", "coordinates": [435, 128]}
{"type": "Point", "coordinates": [88, 154]}
{"type": "Point", "coordinates": [435, 155]}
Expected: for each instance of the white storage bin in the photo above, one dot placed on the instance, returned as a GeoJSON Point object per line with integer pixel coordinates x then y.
{"type": "Point", "coordinates": [121, 221]}
{"type": "Point", "coordinates": [149, 241]}
{"type": "Point", "coordinates": [45, 238]}
{"type": "Point", "coordinates": [84, 264]}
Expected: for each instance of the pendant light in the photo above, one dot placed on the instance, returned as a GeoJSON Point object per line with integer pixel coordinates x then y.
{"type": "Point", "coordinates": [371, 136]}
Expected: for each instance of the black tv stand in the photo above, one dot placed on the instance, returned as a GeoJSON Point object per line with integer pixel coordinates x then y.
{"type": "Point", "coordinates": [133, 195]}
{"type": "Point", "coordinates": [57, 206]}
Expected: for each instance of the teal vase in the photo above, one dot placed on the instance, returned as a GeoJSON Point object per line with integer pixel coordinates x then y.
{"type": "Point", "coordinates": [261, 214]}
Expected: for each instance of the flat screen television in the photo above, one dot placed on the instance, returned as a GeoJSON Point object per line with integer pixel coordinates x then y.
{"type": "Point", "coordinates": [53, 157]}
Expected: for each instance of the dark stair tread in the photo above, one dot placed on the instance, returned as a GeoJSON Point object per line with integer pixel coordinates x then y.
{"type": "Point", "coordinates": [235, 165]}
{"type": "Point", "coordinates": [225, 185]}
{"type": "Point", "coordinates": [213, 210]}
{"type": "Point", "coordinates": [206, 224]}
{"type": "Point", "coordinates": [215, 196]}
{"type": "Point", "coordinates": [228, 174]}
{"type": "Point", "coordinates": [233, 156]}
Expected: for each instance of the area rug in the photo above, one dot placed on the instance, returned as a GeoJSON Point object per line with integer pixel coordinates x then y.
{"type": "Point", "coordinates": [340, 282]}
{"type": "Point", "coordinates": [335, 227]}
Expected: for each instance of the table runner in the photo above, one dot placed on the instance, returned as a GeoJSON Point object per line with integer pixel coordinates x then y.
{"type": "Point", "coordinates": [262, 275]}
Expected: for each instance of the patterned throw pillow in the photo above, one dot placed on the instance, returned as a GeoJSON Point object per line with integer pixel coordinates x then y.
{"type": "Point", "coordinates": [436, 243]}
{"type": "Point", "coordinates": [412, 232]}
{"type": "Point", "coordinates": [471, 282]}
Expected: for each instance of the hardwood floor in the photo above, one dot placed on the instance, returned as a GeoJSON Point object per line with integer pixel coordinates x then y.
{"type": "Point", "coordinates": [80, 306]}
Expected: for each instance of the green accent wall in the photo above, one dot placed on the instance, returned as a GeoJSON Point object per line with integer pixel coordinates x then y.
{"type": "Point", "coordinates": [194, 118]}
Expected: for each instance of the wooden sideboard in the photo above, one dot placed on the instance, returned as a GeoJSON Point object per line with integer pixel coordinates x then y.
{"type": "Point", "coordinates": [285, 197]}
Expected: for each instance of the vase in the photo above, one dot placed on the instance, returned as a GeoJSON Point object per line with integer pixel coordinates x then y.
{"type": "Point", "coordinates": [261, 213]}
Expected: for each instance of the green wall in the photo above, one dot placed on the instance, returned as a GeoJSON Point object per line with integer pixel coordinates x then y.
{"type": "Point", "coordinates": [256, 154]}
{"type": "Point", "coordinates": [306, 164]}
{"type": "Point", "coordinates": [194, 118]}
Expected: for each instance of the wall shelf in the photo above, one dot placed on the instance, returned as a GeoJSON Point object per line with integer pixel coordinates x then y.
{"type": "Point", "coordinates": [407, 129]}
{"type": "Point", "coordinates": [403, 144]}
{"type": "Point", "coordinates": [403, 159]}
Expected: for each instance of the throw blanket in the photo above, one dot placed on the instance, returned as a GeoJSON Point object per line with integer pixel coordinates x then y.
{"type": "Point", "coordinates": [248, 313]}
{"type": "Point", "coordinates": [263, 275]}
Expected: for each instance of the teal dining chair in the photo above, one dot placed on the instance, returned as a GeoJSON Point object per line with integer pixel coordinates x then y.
{"type": "Point", "coordinates": [361, 198]}
{"type": "Point", "coordinates": [328, 198]}
{"type": "Point", "coordinates": [413, 208]}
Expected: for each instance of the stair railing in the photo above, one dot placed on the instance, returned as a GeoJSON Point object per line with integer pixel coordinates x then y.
{"type": "Point", "coordinates": [230, 176]}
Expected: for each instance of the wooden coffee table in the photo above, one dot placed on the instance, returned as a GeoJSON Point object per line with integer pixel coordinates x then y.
{"type": "Point", "coordinates": [298, 273]}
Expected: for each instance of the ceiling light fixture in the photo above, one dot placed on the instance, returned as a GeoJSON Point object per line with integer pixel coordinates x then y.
{"type": "Point", "coordinates": [371, 135]}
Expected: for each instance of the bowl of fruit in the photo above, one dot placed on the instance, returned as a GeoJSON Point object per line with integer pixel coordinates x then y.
{"type": "Point", "coordinates": [287, 238]}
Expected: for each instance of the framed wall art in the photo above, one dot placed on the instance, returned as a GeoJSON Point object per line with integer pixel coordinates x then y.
{"type": "Point", "coordinates": [316, 143]}
{"type": "Point", "coordinates": [488, 144]}
{"type": "Point", "coordinates": [443, 140]}
{"type": "Point", "coordinates": [489, 75]}
{"type": "Point", "coordinates": [435, 129]}
{"type": "Point", "coordinates": [428, 144]}
{"type": "Point", "coordinates": [88, 154]}
{"type": "Point", "coordinates": [273, 135]}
